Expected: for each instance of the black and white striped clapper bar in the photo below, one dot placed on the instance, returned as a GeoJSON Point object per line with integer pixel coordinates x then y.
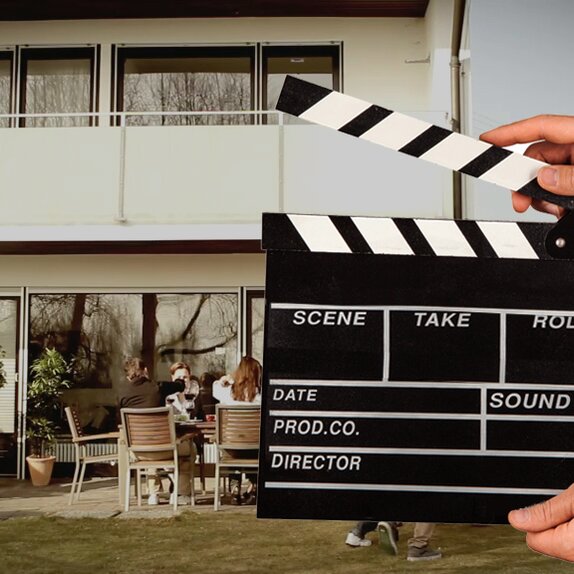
{"type": "Point", "coordinates": [415, 137]}
{"type": "Point", "coordinates": [414, 370]}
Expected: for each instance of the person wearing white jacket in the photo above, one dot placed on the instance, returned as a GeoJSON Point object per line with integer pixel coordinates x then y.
{"type": "Point", "coordinates": [243, 386]}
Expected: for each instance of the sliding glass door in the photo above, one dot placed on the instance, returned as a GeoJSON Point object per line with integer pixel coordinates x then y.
{"type": "Point", "coordinates": [9, 309]}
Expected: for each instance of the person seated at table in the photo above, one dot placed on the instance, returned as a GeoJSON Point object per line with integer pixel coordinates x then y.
{"type": "Point", "coordinates": [243, 386]}
{"type": "Point", "coordinates": [183, 402]}
{"type": "Point", "coordinates": [205, 398]}
{"type": "Point", "coordinates": [139, 391]}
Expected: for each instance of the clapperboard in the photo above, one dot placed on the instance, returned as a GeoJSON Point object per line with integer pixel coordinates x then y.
{"type": "Point", "coordinates": [415, 370]}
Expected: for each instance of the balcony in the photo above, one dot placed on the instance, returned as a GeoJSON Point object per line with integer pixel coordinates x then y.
{"type": "Point", "coordinates": [202, 178]}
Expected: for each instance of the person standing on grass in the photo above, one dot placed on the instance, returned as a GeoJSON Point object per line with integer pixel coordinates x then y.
{"type": "Point", "coordinates": [418, 545]}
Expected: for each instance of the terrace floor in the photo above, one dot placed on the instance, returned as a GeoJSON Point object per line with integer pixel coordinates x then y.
{"type": "Point", "coordinates": [99, 499]}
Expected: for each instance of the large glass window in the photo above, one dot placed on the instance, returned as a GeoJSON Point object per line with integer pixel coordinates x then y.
{"type": "Point", "coordinates": [199, 329]}
{"type": "Point", "coordinates": [316, 64]}
{"type": "Point", "coordinates": [97, 330]}
{"type": "Point", "coordinates": [186, 80]}
{"type": "Point", "coordinates": [254, 318]}
{"type": "Point", "coordinates": [100, 330]}
{"type": "Point", "coordinates": [8, 389]}
{"type": "Point", "coordinates": [57, 81]}
{"type": "Point", "coordinates": [6, 62]}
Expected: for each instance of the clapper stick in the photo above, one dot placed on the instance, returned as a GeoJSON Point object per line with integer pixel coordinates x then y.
{"type": "Point", "coordinates": [415, 137]}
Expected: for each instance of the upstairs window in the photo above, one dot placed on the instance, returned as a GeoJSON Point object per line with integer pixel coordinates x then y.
{"type": "Point", "coordinates": [316, 64]}
{"type": "Point", "coordinates": [6, 63]}
{"type": "Point", "coordinates": [57, 81]}
{"type": "Point", "coordinates": [186, 79]}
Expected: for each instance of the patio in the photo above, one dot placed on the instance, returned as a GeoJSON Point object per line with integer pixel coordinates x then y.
{"type": "Point", "coordinates": [99, 499]}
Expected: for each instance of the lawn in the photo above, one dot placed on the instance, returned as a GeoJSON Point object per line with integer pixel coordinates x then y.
{"type": "Point", "coordinates": [230, 543]}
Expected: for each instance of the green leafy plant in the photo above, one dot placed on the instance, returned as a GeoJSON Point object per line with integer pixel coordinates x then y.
{"type": "Point", "coordinates": [50, 376]}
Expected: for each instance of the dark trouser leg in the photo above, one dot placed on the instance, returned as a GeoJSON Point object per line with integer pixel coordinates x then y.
{"type": "Point", "coordinates": [364, 527]}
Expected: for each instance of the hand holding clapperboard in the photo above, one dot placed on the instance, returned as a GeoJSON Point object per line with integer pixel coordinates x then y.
{"type": "Point", "coordinates": [418, 370]}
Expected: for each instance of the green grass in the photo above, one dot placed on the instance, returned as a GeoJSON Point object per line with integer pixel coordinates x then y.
{"type": "Point", "coordinates": [230, 543]}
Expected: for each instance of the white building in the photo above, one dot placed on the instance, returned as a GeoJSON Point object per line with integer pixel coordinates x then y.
{"type": "Point", "coordinates": [139, 147]}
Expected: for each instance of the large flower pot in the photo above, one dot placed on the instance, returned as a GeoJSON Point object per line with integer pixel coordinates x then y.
{"type": "Point", "coordinates": [40, 469]}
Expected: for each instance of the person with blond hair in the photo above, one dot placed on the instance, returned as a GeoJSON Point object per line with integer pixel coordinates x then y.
{"type": "Point", "coordinates": [181, 401]}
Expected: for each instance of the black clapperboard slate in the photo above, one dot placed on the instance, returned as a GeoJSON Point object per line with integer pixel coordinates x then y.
{"type": "Point", "coordinates": [415, 370]}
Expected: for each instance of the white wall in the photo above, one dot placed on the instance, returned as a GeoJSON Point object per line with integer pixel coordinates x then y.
{"type": "Point", "coordinates": [438, 22]}
{"type": "Point", "coordinates": [521, 60]}
{"type": "Point", "coordinates": [375, 49]}
{"type": "Point", "coordinates": [132, 272]}
{"type": "Point", "coordinates": [193, 175]}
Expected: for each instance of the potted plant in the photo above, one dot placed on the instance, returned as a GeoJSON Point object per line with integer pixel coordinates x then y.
{"type": "Point", "coordinates": [49, 378]}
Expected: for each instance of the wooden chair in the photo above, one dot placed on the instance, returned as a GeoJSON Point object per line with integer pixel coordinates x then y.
{"type": "Point", "coordinates": [237, 439]}
{"type": "Point", "coordinates": [151, 443]}
{"type": "Point", "coordinates": [81, 442]}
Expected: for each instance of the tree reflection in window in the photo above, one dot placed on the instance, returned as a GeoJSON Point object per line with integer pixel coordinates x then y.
{"type": "Point", "coordinates": [57, 81]}
{"type": "Point", "coordinates": [100, 330]}
{"type": "Point", "coordinates": [255, 318]}
{"type": "Point", "coordinates": [186, 80]}
{"type": "Point", "coordinates": [199, 329]}
{"type": "Point", "coordinates": [5, 87]}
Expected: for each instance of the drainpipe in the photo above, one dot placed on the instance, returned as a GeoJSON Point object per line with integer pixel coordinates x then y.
{"type": "Point", "coordinates": [457, 24]}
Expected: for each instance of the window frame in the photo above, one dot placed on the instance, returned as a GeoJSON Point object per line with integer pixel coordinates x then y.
{"type": "Point", "coordinates": [250, 294]}
{"type": "Point", "coordinates": [300, 50]}
{"type": "Point", "coordinates": [143, 291]}
{"type": "Point", "coordinates": [120, 53]}
{"type": "Point", "coordinates": [10, 55]}
{"type": "Point", "coordinates": [91, 53]}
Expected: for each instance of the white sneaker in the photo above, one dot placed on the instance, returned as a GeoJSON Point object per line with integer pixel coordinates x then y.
{"type": "Point", "coordinates": [152, 500]}
{"type": "Point", "coordinates": [182, 499]}
{"type": "Point", "coordinates": [354, 540]}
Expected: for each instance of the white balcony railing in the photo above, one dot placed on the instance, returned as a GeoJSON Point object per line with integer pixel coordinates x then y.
{"type": "Point", "coordinates": [204, 174]}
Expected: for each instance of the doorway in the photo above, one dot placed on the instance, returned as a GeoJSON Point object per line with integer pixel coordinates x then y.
{"type": "Point", "coordinates": [9, 325]}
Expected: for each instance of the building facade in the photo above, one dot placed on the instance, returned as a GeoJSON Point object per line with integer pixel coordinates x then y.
{"type": "Point", "coordinates": [139, 149]}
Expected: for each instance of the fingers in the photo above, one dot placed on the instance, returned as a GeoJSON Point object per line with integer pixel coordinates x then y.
{"type": "Point", "coordinates": [557, 542]}
{"type": "Point", "coordinates": [557, 179]}
{"type": "Point", "coordinates": [555, 154]}
{"type": "Point", "coordinates": [555, 129]}
{"type": "Point", "coordinates": [520, 202]}
{"type": "Point", "coordinates": [547, 514]}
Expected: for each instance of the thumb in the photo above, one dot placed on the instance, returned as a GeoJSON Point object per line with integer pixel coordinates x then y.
{"type": "Point", "coordinates": [545, 515]}
{"type": "Point", "coordinates": [557, 179]}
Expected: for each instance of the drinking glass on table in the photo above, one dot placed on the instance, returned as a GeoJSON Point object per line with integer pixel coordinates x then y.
{"type": "Point", "coordinates": [190, 405]}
